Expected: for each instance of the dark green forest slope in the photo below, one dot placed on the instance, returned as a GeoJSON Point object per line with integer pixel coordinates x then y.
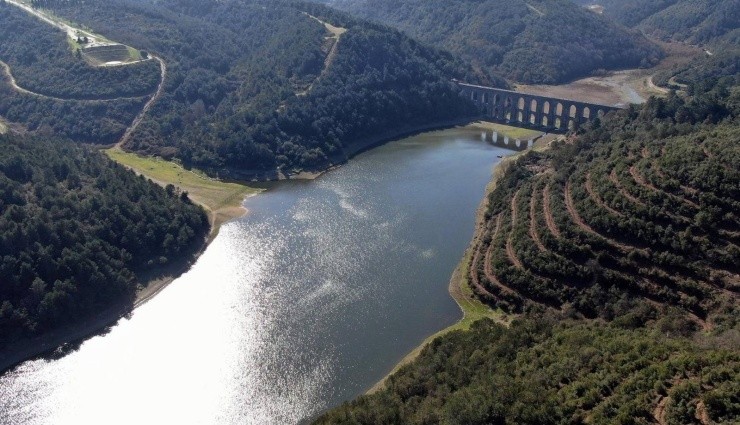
{"type": "Point", "coordinates": [542, 371]}
{"type": "Point", "coordinates": [542, 41]}
{"type": "Point", "coordinates": [621, 247]}
{"type": "Point", "coordinates": [693, 21]}
{"type": "Point", "coordinates": [75, 229]}
{"type": "Point", "coordinates": [644, 205]}
{"type": "Point", "coordinates": [69, 97]}
{"type": "Point", "coordinates": [41, 61]}
{"type": "Point", "coordinates": [254, 86]}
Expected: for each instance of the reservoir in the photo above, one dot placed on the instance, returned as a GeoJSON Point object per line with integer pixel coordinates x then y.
{"type": "Point", "coordinates": [303, 303]}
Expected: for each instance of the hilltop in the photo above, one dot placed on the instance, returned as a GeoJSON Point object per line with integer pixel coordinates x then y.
{"type": "Point", "coordinates": [259, 89]}
{"type": "Point", "coordinates": [80, 234]}
{"type": "Point", "coordinates": [692, 21]}
{"type": "Point", "coordinates": [541, 42]}
{"type": "Point", "coordinates": [617, 251]}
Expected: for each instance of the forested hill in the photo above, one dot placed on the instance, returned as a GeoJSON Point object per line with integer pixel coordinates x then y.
{"type": "Point", "coordinates": [76, 229]}
{"type": "Point", "coordinates": [643, 206]}
{"type": "Point", "coordinates": [542, 41]}
{"type": "Point", "coordinates": [257, 86]}
{"type": "Point", "coordinates": [548, 371]}
{"type": "Point", "coordinates": [694, 21]}
{"type": "Point", "coordinates": [621, 247]}
{"type": "Point", "coordinates": [63, 93]}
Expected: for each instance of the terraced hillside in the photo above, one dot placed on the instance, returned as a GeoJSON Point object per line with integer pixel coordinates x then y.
{"type": "Point", "coordinates": [621, 248]}
{"type": "Point", "coordinates": [547, 371]}
{"type": "Point", "coordinates": [113, 53]}
{"type": "Point", "coordinates": [617, 215]}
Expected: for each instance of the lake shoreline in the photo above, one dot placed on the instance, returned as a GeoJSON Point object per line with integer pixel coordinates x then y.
{"type": "Point", "coordinates": [458, 287]}
{"type": "Point", "coordinates": [39, 346]}
{"type": "Point", "coordinates": [48, 344]}
{"type": "Point", "coordinates": [98, 324]}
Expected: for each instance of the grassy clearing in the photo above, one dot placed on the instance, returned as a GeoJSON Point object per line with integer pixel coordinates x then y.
{"type": "Point", "coordinates": [134, 54]}
{"type": "Point", "coordinates": [222, 200]}
{"type": "Point", "coordinates": [512, 132]}
{"type": "Point", "coordinates": [3, 128]}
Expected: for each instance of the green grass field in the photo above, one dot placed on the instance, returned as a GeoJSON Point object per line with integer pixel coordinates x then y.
{"type": "Point", "coordinates": [222, 199]}
{"type": "Point", "coordinates": [512, 132]}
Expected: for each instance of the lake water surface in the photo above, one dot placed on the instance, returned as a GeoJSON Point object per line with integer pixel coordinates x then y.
{"type": "Point", "coordinates": [305, 302]}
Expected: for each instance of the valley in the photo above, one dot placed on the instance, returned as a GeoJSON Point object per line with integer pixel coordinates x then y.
{"type": "Point", "coordinates": [601, 284]}
{"type": "Point", "coordinates": [620, 88]}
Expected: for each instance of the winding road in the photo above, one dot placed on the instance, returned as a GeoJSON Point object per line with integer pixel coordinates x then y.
{"type": "Point", "coordinates": [95, 40]}
{"type": "Point", "coordinates": [160, 87]}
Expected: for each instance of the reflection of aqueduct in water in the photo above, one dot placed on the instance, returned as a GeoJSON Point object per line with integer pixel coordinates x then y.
{"type": "Point", "coordinates": [532, 110]}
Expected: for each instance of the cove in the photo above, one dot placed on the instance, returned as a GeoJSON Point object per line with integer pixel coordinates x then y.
{"type": "Point", "coordinates": [305, 302]}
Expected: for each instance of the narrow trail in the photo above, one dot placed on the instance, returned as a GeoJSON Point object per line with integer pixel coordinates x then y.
{"type": "Point", "coordinates": [639, 179]}
{"type": "Point", "coordinates": [595, 196]}
{"type": "Point", "coordinates": [509, 239]}
{"type": "Point", "coordinates": [140, 117]}
{"type": "Point", "coordinates": [656, 87]}
{"type": "Point", "coordinates": [570, 206]}
{"type": "Point", "coordinates": [688, 191]}
{"type": "Point", "coordinates": [615, 180]}
{"type": "Point", "coordinates": [96, 39]}
{"type": "Point", "coordinates": [488, 269]}
{"type": "Point", "coordinates": [533, 224]}
{"type": "Point", "coordinates": [659, 411]}
{"type": "Point", "coordinates": [705, 326]}
{"type": "Point", "coordinates": [574, 214]}
{"type": "Point", "coordinates": [329, 60]}
{"type": "Point", "coordinates": [701, 413]}
{"type": "Point", "coordinates": [549, 219]}
{"type": "Point", "coordinates": [474, 274]}
{"type": "Point", "coordinates": [14, 84]}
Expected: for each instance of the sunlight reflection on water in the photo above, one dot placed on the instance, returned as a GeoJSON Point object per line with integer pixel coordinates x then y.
{"type": "Point", "coordinates": [303, 303]}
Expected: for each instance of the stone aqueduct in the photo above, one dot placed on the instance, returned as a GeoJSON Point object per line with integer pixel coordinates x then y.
{"type": "Point", "coordinates": [532, 110]}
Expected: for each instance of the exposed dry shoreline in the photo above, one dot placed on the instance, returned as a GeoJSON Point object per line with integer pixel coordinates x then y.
{"type": "Point", "coordinates": [60, 339]}
{"type": "Point", "coordinates": [458, 286]}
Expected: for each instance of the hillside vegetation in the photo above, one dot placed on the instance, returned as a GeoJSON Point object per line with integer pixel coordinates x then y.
{"type": "Point", "coordinates": [251, 90]}
{"type": "Point", "coordinates": [693, 21]}
{"type": "Point", "coordinates": [645, 205]}
{"type": "Point", "coordinates": [59, 92]}
{"type": "Point", "coordinates": [620, 250]}
{"type": "Point", "coordinates": [548, 370]}
{"type": "Point", "coordinates": [41, 61]}
{"type": "Point", "coordinates": [75, 230]}
{"type": "Point", "coordinates": [542, 41]}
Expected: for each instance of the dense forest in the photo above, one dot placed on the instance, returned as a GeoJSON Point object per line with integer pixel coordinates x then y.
{"type": "Point", "coordinates": [548, 370]}
{"type": "Point", "coordinates": [543, 41]}
{"type": "Point", "coordinates": [644, 204]}
{"type": "Point", "coordinates": [693, 21]}
{"type": "Point", "coordinates": [259, 86]}
{"type": "Point", "coordinates": [40, 58]}
{"type": "Point", "coordinates": [68, 97]}
{"type": "Point", "coordinates": [76, 229]}
{"type": "Point", "coordinates": [619, 252]}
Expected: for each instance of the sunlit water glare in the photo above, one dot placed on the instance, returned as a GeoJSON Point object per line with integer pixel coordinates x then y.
{"type": "Point", "coordinates": [300, 305]}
